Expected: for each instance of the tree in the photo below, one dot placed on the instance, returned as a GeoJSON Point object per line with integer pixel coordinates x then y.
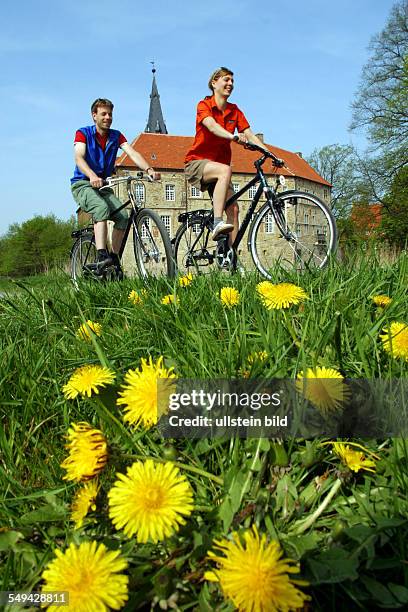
{"type": "Point", "coordinates": [394, 220]}
{"type": "Point", "coordinates": [381, 104]}
{"type": "Point", "coordinates": [35, 246]}
{"type": "Point", "coordinates": [337, 164]}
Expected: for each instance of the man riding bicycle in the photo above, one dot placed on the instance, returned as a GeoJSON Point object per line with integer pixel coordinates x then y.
{"type": "Point", "coordinates": [96, 147]}
{"type": "Point", "coordinates": [207, 164]}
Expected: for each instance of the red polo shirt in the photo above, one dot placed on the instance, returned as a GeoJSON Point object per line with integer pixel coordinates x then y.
{"type": "Point", "coordinates": [206, 144]}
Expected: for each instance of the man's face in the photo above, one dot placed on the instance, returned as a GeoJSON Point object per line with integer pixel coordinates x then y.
{"type": "Point", "coordinates": [103, 117]}
{"type": "Point", "coordinates": [224, 85]}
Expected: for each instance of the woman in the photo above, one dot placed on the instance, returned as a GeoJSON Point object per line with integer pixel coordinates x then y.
{"type": "Point", "coordinates": [207, 164]}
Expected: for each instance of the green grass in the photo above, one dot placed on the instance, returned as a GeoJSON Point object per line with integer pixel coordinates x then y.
{"type": "Point", "coordinates": [353, 551]}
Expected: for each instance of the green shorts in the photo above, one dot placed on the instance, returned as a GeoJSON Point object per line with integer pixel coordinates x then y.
{"type": "Point", "coordinates": [101, 205]}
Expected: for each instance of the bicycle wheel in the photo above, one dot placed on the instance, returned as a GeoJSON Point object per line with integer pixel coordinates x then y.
{"type": "Point", "coordinates": [83, 253]}
{"type": "Point", "coordinates": [310, 228]}
{"type": "Point", "coordinates": [152, 245]}
{"type": "Point", "coordinates": [191, 246]}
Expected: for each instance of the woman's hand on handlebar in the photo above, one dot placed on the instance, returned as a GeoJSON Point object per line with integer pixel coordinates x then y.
{"type": "Point", "coordinates": [240, 139]}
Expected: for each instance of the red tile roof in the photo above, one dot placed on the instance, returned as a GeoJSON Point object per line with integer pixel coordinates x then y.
{"type": "Point", "coordinates": [166, 152]}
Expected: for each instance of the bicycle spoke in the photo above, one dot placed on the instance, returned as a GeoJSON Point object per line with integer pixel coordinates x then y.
{"type": "Point", "coordinates": [306, 239]}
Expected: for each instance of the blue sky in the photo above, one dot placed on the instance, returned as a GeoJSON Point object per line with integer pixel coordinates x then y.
{"type": "Point", "coordinates": [297, 66]}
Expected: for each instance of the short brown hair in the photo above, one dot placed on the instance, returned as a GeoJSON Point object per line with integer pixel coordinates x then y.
{"type": "Point", "coordinates": [219, 72]}
{"type": "Point", "coordinates": [101, 102]}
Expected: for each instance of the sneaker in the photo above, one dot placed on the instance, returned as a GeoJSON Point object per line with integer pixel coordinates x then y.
{"type": "Point", "coordinates": [118, 267]}
{"type": "Point", "coordinates": [104, 262]}
{"type": "Point", "coordinates": [221, 228]}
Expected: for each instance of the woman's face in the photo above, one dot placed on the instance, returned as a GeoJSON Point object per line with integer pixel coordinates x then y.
{"type": "Point", "coordinates": [223, 85]}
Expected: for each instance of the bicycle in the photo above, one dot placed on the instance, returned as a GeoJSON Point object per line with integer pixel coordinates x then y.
{"type": "Point", "coordinates": [280, 231]}
{"type": "Point", "coordinates": [151, 242]}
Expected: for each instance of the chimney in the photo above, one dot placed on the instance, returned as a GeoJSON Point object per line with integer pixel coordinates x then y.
{"type": "Point", "coordinates": [299, 153]}
{"type": "Point", "coordinates": [260, 136]}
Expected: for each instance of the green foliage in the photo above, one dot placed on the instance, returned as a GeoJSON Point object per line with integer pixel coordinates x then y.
{"type": "Point", "coordinates": [353, 549]}
{"type": "Point", "coordinates": [381, 104]}
{"type": "Point", "coordinates": [37, 245]}
{"type": "Point", "coordinates": [338, 165]}
{"type": "Point", "coordinates": [394, 222]}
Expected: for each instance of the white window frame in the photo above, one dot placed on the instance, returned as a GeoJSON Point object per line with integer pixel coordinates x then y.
{"type": "Point", "coordinates": [143, 232]}
{"type": "Point", "coordinates": [166, 222]}
{"type": "Point", "coordinates": [235, 187]}
{"type": "Point", "coordinates": [139, 190]}
{"type": "Point", "coordinates": [252, 191]}
{"type": "Point", "coordinates": [195, 192]}
{"type": "Point", "coordinates": [170, 192]}
{"type": "Point", "coordinates": [269, 223]}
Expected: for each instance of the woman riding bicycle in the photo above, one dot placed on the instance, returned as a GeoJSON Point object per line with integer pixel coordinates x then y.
{"type": "Point", "coordinates": [207, 164]}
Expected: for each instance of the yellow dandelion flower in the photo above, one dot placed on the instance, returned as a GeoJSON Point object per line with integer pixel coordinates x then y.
{"type": "Point", "coordinates": [280, 296]}
{"type": "Point", "coordinates": [381, 300]}
{"type": "Point", "coordinates": [257, 357]}
{"type": "Point", "coordinates": [355, 460]}
{"type": "Point", "coordinates": [87, 380]}
{"type": "Point", "coordinates": [150, 501]}
{"type": "Point", "coordinates": [395, 340]}
{"type": "Point", "coordinates": [84, 501]}
{"type": "Point", "coordinates": [324, 388]}
{"type": "Point", "coordinates": [254, 576]}
{"type": "Point", "coordinates": [135, 298]}
{"type": "Point", "coordinates": [83, 333]}
{"type": "Point", "coordinates": [88, 452]}
{"type": "Point", "coordinates": [90, 574]}
{"type": "Point", "coordinates": [185, 281]}
{"type": "Point", "coordinates": [171, 299]}
{"type": "Point", "coordinates": [144, 397]}
{"type": "Point", "coordinates": [229, 296]}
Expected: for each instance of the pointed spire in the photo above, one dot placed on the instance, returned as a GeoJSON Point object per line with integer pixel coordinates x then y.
{"type": "Point", "coordinates": [155, 123]}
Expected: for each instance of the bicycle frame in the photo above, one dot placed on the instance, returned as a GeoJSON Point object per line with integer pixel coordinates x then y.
{"type": "Point", "coordinates": [135, 208]}
{"type": "Point", "coordinates": [263, 188]}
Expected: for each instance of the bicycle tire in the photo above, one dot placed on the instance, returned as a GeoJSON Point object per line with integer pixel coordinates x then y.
{"type": "Point", "coordinates": [152, 246]}
{"type": "Point", "coordinates": [191, 250]}
{"type": "Point", "coordinates": [83, 252]}
{"type": "Point", "coordinates": [312, 229]}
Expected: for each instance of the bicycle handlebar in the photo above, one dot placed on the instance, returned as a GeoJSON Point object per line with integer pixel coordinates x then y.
{"type": "Point", "coordinates": [279, 163]}
{"type": "Point", "coordinates": [111, 181]}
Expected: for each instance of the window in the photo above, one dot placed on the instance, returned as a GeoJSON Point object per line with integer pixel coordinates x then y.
{"type": "Point", "coordinates": [167, 223]}
{"type": "Point", "coordinates": [269, 223]}
{"type": "Point", "coordinates": [196, 227]}
{"type": "Point", "coordinates": [306, 218]}
{"type": "Point", "coordinates": [252, 191]}
{"type": "Point", "coordinates": [235, 187]}
{"type": "Point", "coordinates": [139, 191]}
{"type": "Point", "coordinates": [195, 193]}
{"type": "Point", "coordinates": [146, 228]}
{"type": "Point", "coordinates": [298, 230]}
{"type": "Point", "coordinates": [170, 193]}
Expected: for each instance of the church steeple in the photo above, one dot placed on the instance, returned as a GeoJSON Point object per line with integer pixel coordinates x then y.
{"type": "Point", "coordinates": [155, 123]}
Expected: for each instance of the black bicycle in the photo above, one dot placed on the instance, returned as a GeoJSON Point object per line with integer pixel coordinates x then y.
{"type": "Point", "coordinates": [294, 228]}
{"type": "Point", "coordinates": [151, 242]}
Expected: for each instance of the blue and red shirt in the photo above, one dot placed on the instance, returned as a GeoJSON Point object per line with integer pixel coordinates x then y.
{"type": "Point", "coordinates": [100, 153]}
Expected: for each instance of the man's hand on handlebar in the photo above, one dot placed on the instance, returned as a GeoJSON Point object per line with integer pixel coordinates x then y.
{"type": "Point", "coordinates": [96, 182]}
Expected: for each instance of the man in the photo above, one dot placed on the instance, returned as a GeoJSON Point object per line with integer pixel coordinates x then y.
{"type": "Point", "coordinates": [96, 147]}
{"type": "Point", "coordinates": [207, 164]}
